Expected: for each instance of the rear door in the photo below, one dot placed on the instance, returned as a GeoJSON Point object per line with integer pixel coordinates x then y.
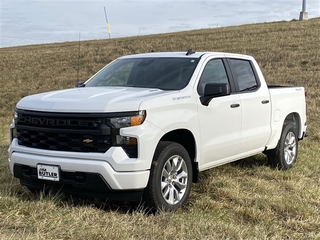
{"type": "Point", "coordinates": [255, 105]}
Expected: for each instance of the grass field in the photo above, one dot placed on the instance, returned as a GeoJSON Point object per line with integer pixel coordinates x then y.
{"type": "Point", "coordinates": [245, 201]}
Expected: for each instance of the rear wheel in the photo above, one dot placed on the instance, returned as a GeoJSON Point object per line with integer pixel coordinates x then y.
{"type": "Point", "coordinates": [170, 177]}
{"type": "Point", "coordinates": [285, 154]}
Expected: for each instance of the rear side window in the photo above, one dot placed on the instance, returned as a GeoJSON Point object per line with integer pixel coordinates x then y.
{"type": "Point", "coordinates": [244, 75]}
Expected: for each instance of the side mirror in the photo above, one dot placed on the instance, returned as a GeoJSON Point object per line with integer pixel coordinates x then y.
{"type": "Point", "coordinates": [80, 84]}
{"type": "Point", "coordinates": [213, 90]}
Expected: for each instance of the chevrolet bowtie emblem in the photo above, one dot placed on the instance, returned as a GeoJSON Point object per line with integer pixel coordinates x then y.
{"type": "Point", "coordinates": [87, 140]}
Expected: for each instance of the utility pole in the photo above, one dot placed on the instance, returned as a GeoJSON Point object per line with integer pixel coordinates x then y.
{"type": "Point", "coordinates": [304, 13]}
{"type": "Point", "coordinates": [107, 23]}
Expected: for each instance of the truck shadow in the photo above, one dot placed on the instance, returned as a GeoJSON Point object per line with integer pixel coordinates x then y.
{"type": "Point", "coordinates": [66, 200]}
{"type": "Point", "coordinates": [251, 162]}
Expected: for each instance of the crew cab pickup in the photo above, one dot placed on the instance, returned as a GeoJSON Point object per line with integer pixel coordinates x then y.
{"type": "Point", "coordinates": [146, 124]}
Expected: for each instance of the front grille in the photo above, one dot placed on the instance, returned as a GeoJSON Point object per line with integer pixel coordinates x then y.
{"type": "Point", "coordinates": [62, 140]}
{"type": "Point", "coordinates": [74, 132]}
{"type": "Point", "coordinates": [64, 132]}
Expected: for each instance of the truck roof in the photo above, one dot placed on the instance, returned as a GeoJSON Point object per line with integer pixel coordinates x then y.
{"type": "Point", "coordinates": [183, 55]}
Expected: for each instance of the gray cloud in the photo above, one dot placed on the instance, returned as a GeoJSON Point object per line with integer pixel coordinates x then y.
{"type": "Point", "coordinates": [40, 21]}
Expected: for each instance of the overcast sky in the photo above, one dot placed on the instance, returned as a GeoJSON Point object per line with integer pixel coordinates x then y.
{"type": "Point", "coordinates": [26, 22]}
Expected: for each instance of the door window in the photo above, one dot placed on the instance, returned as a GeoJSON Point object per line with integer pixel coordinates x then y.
{"type": "Point", "coordinates": [214, 72]}
{"type": "Point", "coordinates": [244, 75]}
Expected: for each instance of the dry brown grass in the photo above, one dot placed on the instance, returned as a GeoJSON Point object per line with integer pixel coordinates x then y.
{"type": "Point", "coordinates": [244, 201]}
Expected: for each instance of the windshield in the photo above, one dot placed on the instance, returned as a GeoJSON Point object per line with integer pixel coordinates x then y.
{"type": "Point", "coordinates": [162, 73]}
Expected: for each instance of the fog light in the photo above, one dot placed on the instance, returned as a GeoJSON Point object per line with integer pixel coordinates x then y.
{"type": "Point", "coordinates": [124, 140]}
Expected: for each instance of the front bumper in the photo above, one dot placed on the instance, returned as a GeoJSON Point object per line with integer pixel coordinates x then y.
{"type": "Point", "coordinates": [110, 166]}
{"type": "Point", "coordinates": [89, 185]}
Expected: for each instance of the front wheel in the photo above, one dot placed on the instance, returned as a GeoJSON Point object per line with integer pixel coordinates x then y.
{"type": "Point", "coordinates": [170, 177]}
{"type": "Point", "coordinates": [285, 154]}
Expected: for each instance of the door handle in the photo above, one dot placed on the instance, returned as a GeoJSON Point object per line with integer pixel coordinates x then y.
{"type": "Point", "coordinates": [235, 105]}
{"type": "Point", "coordinates": [265, 101]}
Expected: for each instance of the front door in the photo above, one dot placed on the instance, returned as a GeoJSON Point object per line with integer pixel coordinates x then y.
{"type": "Point", "coordinates": [220, 121]}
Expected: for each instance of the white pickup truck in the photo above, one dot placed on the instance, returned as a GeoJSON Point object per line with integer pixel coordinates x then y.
{"type": "Point", "coordinates": [145, 125]}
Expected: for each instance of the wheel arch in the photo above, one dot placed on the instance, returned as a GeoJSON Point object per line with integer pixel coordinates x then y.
{"type": "Point", "coordinates": [278, 127]}
{"type": "Point", "coordinates": [285, 154]}
{"type": "Point", "coordinates": [187, 140]}
{"type": "Point", "coordinates": [295, 119]}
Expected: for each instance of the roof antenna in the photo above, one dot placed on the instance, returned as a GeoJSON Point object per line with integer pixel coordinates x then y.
{"type": "Point", "coordinates": [190, 51]}
{"type": "Point", "coordinates": [79, 56]}
{"type": "Point", "coordinates": [79, 84]}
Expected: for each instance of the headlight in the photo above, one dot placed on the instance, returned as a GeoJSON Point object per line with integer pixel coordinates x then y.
{"type": "Point", "coordinates": [121, 122]}
{"type": "Point", "coordinates": [127, 121]}
{"type": "Point", "coordinates": [15, 116]}
{"type": "Point", "coordinates": [13, 127]}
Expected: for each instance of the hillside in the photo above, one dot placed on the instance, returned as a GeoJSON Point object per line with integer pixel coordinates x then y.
{"type": "Point", "coordinates": [288, 53]}
{"type": "Point", "coordinates": [249, 200]}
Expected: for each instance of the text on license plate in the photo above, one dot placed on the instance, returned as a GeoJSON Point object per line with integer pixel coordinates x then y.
{"type": "Point", "coordinates": [48, 172]}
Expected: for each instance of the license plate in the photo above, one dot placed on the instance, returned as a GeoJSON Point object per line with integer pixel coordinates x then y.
{"type": "Point", "coordinates": [48, 172]}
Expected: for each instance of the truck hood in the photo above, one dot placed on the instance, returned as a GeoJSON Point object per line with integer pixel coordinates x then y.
{"type": "Point", "coordinates": [90, 99]}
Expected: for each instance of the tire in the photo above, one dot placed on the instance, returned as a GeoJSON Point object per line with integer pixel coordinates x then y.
{"type": "Point", "coordinates": [285, 154]}
{"type": "Point", "coordinates": [170, 177]}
